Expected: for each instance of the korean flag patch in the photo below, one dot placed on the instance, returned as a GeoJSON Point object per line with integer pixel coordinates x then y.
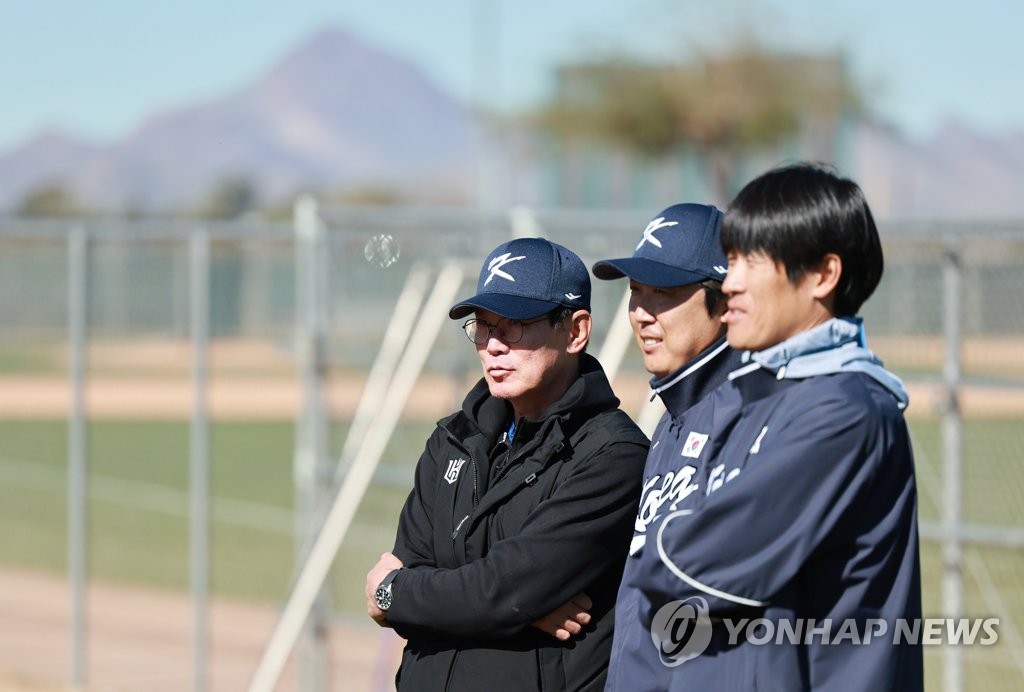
{"type": "Point", "coordinates": [695, 442]}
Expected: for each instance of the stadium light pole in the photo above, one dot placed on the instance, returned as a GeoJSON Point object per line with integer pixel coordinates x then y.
{"type": "Point", "coordinates": [486, 96]}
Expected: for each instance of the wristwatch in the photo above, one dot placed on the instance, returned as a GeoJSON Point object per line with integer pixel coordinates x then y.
{"type": "Point", "coordinates": [383, 593]}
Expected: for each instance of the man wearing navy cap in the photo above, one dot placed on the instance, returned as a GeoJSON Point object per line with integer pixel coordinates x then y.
{"type": "Point", "coordinates": [522, 501]}
{"type": "Point", "coordinates": [793, 503]}
{"type": "Point", "coordinates": [675, 308]}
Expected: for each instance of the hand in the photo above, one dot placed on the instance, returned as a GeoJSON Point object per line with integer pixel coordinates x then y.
{"type": "Point", "coordinates": [567, 619]}
{"type": "Point", "coordinates": [374, 577]}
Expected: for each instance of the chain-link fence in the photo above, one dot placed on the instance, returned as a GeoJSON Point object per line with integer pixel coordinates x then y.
{"type": "Point", "coordinates": [948, 318]}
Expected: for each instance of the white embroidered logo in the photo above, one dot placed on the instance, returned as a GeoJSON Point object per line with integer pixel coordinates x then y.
{"type": "Point", "coordinates": [671, 489]}
{"type": "Point", "coordinates": [719, 477]}
{"type": "Point", "coordinates": [653, 226]}
{"type": "Point", "coordinates": [454, 466]}
{"type": "Point", "coordinates": [695, 442]}
{"type": "Point", "coordinates": [720, 269]}
{"type": "Point", "coordinates": [497, 263]}
{"type": "Point", "coordinates": [756, 447]}
{"type": "Point", "coordinates": [572, 296]}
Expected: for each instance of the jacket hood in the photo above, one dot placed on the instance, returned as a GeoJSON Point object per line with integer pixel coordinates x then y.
{"type": "Point", "coordinates": [837, 345]}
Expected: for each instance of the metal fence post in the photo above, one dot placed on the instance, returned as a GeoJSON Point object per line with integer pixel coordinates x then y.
{"type": "Point", "coordinates": [199, 455]}
{"type": "Point", "coordinates": [343, 508]}
{"type": "Point", "coordinates": [396, 336]}
{"type": "Point", "coordinates": [311, 434]}
{"type": "Point", "coordinates": [78, 469]}
{"type": "Point", "coordinates": [952, 453]}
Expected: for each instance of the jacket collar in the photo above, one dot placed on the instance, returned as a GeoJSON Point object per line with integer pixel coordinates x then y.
{"type": "Point", "coordinates": [484, 414]}
{"type": "Point", "coordinates": [824, 338]}
{"type": "Point", "coordinates": [836, 345]}
{"type": "Point", "coordinates": [696, 379]}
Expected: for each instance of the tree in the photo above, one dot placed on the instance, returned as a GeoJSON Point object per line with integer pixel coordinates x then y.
{"type": "Point", "coordinates": [49, 201]}
{"type": "Point", "coordinates": [724, 109]}
{"type": "Point", "coordinates": [231, 198]}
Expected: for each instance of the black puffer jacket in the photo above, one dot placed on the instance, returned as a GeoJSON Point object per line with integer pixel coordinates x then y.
{"type": "Point", "coordinates": [487, 554]}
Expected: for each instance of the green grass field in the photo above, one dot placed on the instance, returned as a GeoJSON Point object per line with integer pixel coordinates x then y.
{"type": "Point", "coordinates": [138, 486]}
{"type": "Point", "coordinates": [138, 505]}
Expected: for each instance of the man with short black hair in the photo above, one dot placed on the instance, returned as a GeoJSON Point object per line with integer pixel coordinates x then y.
{"type": "Point", "coordinates": [522, 500]}
{"type": "Point", "coordinates": [800, 505]}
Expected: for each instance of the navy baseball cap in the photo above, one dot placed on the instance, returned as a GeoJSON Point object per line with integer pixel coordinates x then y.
{"type": "Point", "coordinates": [680, 246]}
{"type": "Point", "coordinates": [527, 277]}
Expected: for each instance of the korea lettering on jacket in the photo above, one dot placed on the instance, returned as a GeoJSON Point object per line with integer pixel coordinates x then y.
{"type": "Point", "coordinates": [674, 471]}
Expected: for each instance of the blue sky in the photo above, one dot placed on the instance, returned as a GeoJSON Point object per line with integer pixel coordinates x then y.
{"type": "Point", "coordinates": [97, 69]}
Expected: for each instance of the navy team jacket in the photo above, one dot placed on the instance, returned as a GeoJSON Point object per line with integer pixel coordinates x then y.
{"type": "Point", "coordinates": [792, 498]}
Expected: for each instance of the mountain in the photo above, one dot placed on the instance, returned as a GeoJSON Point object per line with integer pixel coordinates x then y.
{"type": "Point", "coordinates": [46, 158]}
{"type": "Point", "coordinates": [954, 174]}
{"type": "Point", "coordinates": [334, 114]}
{"type": "Point", "coordinates": [338, 115]}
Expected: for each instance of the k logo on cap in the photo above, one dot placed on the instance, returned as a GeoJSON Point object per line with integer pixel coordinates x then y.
{"type": "Point", "coordinates": [679, 246]}
{"type": "Point", "coordinates": [495, 265]}
{"type": "Point", "coordinates": [526, 278]}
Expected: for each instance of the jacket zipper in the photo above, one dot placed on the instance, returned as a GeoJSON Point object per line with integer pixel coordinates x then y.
{"type": "Point", "coordinates": [472, 463]}
{"type": "Point", "coordinates": [529, 480]}
{"type": "Point", "coordinates": [507, 464]}
{"type": "Point", "coordinates": [459, 526]}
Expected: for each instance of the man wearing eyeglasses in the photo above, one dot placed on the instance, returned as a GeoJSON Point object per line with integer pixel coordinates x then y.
{"type": "Point", "coordinates": [522, 501]}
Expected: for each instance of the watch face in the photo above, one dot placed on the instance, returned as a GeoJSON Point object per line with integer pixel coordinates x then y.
{"type": "Point", "coordinates": [383, 597]}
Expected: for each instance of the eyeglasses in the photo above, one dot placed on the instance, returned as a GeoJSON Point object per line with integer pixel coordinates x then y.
{"type": "Point", "coordinates": [509, 331]}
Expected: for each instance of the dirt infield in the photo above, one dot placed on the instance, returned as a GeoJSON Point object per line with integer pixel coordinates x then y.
{"type": "Point", "coordinates": [150, 398]}
{"type": "Point", "coordinates": [256, 380]}
{"type": "Point", "coordinates": [140, 640]}
{"type": "Point", "coordinates": [28, 398]}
